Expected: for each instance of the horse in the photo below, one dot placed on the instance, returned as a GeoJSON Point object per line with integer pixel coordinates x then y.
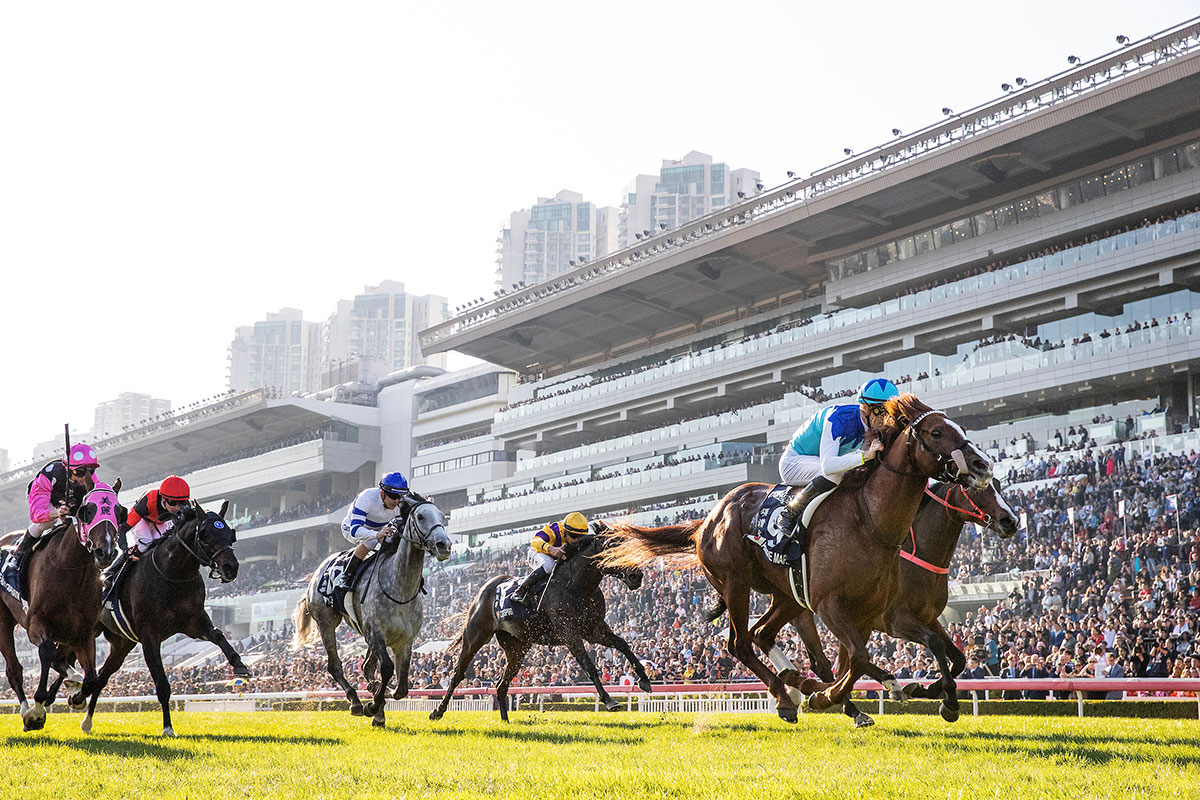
{"type": "Point", "coordinates": [64, 600]}
{"type": "Point", "coordinates": [571, 611]}
{"type": "Point", "coordinates": [854, 536]}
{"type": "Point", "coordinates": [384, 606]}
{"type": "Point", "coordinates": [922, 593]}
{"type": "Point", "coordinates": [161, 595]}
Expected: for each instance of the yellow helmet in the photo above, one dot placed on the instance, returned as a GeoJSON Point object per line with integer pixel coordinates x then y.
{"type": "Point", "coordinates": [575, 524]}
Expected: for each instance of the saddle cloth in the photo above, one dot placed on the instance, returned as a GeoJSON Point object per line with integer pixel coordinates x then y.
{"type": "Point", "coordinates": [767, 532]}
{"type": "Point", "coordinates": [506, 608]}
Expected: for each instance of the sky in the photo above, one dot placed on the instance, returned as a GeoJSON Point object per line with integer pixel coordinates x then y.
{"type": "Point", "coordinates": [170, 171]}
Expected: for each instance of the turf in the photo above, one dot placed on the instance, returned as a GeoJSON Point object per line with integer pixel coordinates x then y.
{"type": "Point", "coordinates": [589, 755]}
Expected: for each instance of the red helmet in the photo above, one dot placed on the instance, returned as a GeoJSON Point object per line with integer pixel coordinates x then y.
{"type": "Point", "coordinates": [175, 488]}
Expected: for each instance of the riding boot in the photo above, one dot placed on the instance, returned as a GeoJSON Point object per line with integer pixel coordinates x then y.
{"type": "Point", "coordinates": [346, 579]}
{"type": "Point", "coordinates": [791, 520]}
{"type": "Point", "coordinates": [520, 595]}
{"type": "Point", "coordinates": [110, 576]}
{"type": "Point", "coordinates": [24, 548]}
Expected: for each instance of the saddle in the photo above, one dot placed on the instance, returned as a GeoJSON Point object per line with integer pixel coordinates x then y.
{"type": "Point", "coordinates": [333, 595]}
{"type": "Point", "coordinates": [792, 552]}
{"type": "Point", "coordinates": [14, 577]}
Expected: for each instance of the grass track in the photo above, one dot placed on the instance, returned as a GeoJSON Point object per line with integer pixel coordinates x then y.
{"type": "Point", "coordinates": [588, 755]}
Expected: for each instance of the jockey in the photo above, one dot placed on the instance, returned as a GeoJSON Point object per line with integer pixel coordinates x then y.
{"type": "Point", "coordinates": [370, 513]}
{"type": "Point", "coordinates": [546, 548]}
{"type": "Point", "coordinates": [151, 518]}
{"type": "Point", "coordinates": [56, 492]}
{"type": "Point", "coordinates": [828, 445]}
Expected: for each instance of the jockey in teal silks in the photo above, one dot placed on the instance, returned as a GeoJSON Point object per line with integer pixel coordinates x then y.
{"type": "Point", "coordinates": [828, 445]}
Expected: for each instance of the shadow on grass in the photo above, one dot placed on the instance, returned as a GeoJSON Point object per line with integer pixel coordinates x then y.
{"type": "Point", "coordinates": [528, 733]}
{"type": "Point", "coordinates": [1091, 748]}
{"type": "Point", "coordinates": [125, 747]}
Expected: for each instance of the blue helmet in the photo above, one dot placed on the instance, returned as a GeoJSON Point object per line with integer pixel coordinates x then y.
{"type": "Point", "coordinates": [394, 482]}
{"type": "Point", "coordinates": [877, 390]}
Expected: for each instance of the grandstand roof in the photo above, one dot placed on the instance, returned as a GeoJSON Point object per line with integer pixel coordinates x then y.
{"type": "Point", "coordinates": [770, 250]}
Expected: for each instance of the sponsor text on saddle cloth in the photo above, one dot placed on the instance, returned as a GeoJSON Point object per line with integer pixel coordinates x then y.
{"type": "Point", "coordinates": [767, 532]}
{"type": "Point", "coordinates": [331, 570]}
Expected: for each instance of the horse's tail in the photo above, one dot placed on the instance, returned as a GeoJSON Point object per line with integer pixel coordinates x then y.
{"type": "Point", "coordinates": [302, 621]}
{"type": "Point", "coordinates": [639, 545]}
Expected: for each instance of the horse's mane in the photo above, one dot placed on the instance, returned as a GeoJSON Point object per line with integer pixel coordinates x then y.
{"type": "Point", "coordinates": [904, 408]}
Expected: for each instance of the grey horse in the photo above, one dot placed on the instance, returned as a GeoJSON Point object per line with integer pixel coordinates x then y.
{"type": "Point", "coordinates": [384, 606]}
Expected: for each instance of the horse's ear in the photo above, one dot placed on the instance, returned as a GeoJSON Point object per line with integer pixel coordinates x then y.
{"type": "Point", "coordinates": [224, 508]}
{"type": "Point", "coordinates": [116, 487]}
{"type": "Point", "coordinates": [87, 513]}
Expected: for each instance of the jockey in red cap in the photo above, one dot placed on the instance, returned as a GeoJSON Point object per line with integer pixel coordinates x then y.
{"type": "Point", "coordinates": [151, 518]}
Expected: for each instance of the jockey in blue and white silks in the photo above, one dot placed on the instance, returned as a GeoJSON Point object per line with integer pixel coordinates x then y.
{"type": "Point", "coordinates": [369, 515]}
{"type": "Point", "coordinates": [829, 444]}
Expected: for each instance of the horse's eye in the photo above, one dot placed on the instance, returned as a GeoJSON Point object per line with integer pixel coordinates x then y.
{"type": "Point", "coordinates": [936, 433]}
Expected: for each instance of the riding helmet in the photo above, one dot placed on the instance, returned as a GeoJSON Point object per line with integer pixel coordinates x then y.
{"type": "Point", "coordinates": [174, 487]}
{"type": "Point", "coordinates": [82, 455]}
{"type": "Point", "coordinates": [394, 483]}
{"type": "Point", "coordinates": [575, 523]}
{"type": "Point", "coordinates": [877, 390]}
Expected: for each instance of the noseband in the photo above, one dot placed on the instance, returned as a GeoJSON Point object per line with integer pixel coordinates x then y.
{"type": "Point", "coordinates": [206, 559]}
{"type": "Point", "coordinates": [953, 466]}
{"type": "Point", "coordinates": [976, 513]}
{"type": "Point", "coordinates": [412, 534]}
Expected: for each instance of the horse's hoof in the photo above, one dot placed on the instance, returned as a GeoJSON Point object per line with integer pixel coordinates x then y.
{"type": "Point", "coordinates": [400, 693]}
{"type": "Point", "coordinates": [368, 708]}
{"type": "Point", "coordinates": [241, 671]}
{"type": "Point", "coordinates": [168, 732]}
{"type": "Point", "coordinates": [70, 685]}
{"type": "Point", "coordinates": [612, 704]}
{"type": "Point", "coordinates": [435, 715]}
{"type": "Point", "coordinates": [863, 721]}
{"type": "Point", "coordinates": [805, 703]}
{"type": "Point", "coordinates": [356, 710]}
{"type": "Point", "coordinates": [644, 685]}
{"type": "Point", "coordinates": [77, 701]}
{"type": "Point", "coordinates": [377, 722]}
{"type": "Point", "coordinates": [796, 695]}
{"type": "Point", "coordinates": [948, 714]}
{"type": "Point", "coordinates": [786, 713]}
{"type": "Point", "coordinates": [86, 725]}
{"type": "Point", "coordinates": [913, 690]}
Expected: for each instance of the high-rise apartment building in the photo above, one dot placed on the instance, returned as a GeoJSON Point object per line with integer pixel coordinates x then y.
{"type": "Point", "coordinates": [682, 191]}
{"type": "Point", "coordinates": [383, 323]}
{"type": "Point", "coordinates": [541, 242]}
{"type": "Point", "coordinates": [127, 410]}
{"type": "Point", "coordinates": [282, 352]}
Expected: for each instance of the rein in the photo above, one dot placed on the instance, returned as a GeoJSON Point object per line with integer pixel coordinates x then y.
{"type": "Point", "coordinates": [420, 542]}
{"type": "Point", "coordinates": [945, 503]}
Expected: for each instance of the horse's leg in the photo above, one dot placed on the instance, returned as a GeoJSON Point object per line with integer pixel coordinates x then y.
{"type": "Point", "coordinates": [12, 665]}
{"type": "Point", "coordinates": [514, 653]}
{"type": "Point", "coordinates": [35, 719]}
{"type": "Point", "coordinates": [741, 645]}
{"type": "Point", "coordinates": [118, 650]}
{"type": "Point", "coordinates": [386, 670]}
{"type": "Point", "coordinates": [853, 661]}
{"type": "Point", "coordinates": [162, 687]}
{"type": "Point", "coordinates": [805, 624]}
{"type": "Point", "coordinates": [951, 662]}
{"type": "Point", "coordinates": [580, 653]}
{"type": "Point", "coordinates": [475, 635]}
{"type": "Point", "coordinates": [369, 666]}
{"type": "Point", "coordinates": [605, 637]}
{"type": "Point", "coordinates": [329, 639]}
{"type": "Point", "coordinates": [202, 628]}
{"type": "Point", "coordinates": [765, 632]}
{"type": "Point", "coordinates": [403, 661]}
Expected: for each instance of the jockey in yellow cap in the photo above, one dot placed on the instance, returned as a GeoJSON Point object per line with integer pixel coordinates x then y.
{"type": "Point", "coordinates": [546, 548]}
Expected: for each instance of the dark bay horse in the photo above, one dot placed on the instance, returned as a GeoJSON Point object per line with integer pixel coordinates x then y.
{"type": "Point", "coordinates": [161, 595]}
{"type": "Point", "coordinates": [64, 599]}
{"type": "Point", "coordinates": [571, 612]}
{"type": "Point", "coordinates": [384, 606]}
{"type": "Point", "coordinates": [854, 536]}
{"type": "Point", "coordinates": [922, 593]}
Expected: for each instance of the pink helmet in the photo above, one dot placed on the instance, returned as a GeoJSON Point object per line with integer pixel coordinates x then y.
{"type": "Point", "coordinates": [82, 455]}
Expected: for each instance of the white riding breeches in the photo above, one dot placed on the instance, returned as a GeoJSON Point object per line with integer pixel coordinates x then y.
{"type": "Point", "coordinates": [798, 470]}
{"type": "Point", "coordinates": [36, 529]}
{"type": "Point", "coordinates": [547, 563]}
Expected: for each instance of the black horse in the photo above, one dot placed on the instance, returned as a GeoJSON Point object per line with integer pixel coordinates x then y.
{"type": "Point", "coordinates": [162, 595]}
{"type": "Point", "coordinates": [571, 611]}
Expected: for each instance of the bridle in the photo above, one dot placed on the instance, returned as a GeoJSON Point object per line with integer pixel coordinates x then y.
{"type": "Point", "coordinates": [952, 467]}
{"type": "Point", "coordinates": [412, 533]}
{"type": "Point", "coordinates": [976, 513]}
{"type": "Point", "coordinates": [206, 559]}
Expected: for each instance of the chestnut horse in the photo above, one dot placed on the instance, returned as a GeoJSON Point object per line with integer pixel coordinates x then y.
{"type": "Point", "coordinates": [162, 595]}
{"type": "Point", "coordinates": [854, 536]}
{"type": "Point", "coordinates": [64, 599]}
{"type": "Point", "coordinates": [922, 593]}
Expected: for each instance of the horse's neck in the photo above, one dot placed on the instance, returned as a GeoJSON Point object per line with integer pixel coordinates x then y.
{"type": "Point", "coordinates": [937, 529]}
{"type": "Point", "coordinates": [175, 558]}
{"type": "Point", "coordinates": [584, 575]}
{"type": "Point", "coordinates": [408, 567]}
{"type": "Point", "coordinates": [67, 546]}
{"type": "Point", "coordinates": [893, 495]}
